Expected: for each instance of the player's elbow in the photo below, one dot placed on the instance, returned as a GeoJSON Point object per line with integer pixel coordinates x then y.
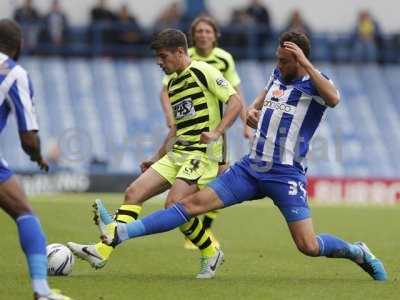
{"type": "Point", "coordinates": [333, 100]}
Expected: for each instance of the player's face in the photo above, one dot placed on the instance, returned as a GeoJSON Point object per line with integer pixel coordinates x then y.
{"type": "Point", "coordinates": [168, 60]}
{"type": "Point", "coordinates": [287, 64]}
{"type": "Point", "coordinates": [204, 36]}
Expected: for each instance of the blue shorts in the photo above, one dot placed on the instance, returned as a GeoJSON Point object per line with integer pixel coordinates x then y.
{"type": "Point", "coordinates": [5, 172]}
{"type": "Point", "coordinates": [246, 180]}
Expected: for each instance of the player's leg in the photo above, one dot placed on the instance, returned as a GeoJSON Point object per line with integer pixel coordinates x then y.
{"type": "Point", "coordinates": [233, 187]}
{"type": "Point", "coordinates": [291, 197]}
{"type": "Point", "coordinates": [333, 247]}
{"type": "Point", "coordinates": [210, 217]}
{"type": "Point", "coordinates": [32, 239]}
{"type": "Point", "coordinates": [194, 230]}
{"type": "Point", "coordinates": [163, 220]}
{"type": "Point", "coordinates": [193, 174]}
{"type": "Point", "coordinates": [147, 185]}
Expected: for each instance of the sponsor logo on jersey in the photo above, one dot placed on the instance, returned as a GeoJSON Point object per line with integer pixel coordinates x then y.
{"type": "Point", "coordinates": [278, 93]}
{"type": "Point", "coordinates": [280, 106]}
{"type": "Point", "coordinates": [222, 82]}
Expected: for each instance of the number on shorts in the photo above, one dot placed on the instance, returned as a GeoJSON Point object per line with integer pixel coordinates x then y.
{"type": "Point", "coordinates": [292, 188]}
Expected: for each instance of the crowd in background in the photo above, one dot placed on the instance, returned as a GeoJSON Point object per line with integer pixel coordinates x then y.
{"type": "Point", "coordinates": [249, 26]}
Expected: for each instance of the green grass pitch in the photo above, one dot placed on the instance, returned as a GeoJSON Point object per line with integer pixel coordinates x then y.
{"type": "Point", "coordinates": [261, 260]}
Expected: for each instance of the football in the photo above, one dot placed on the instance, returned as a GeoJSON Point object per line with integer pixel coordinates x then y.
{"type": "Point", "coordinates": [60, 260]}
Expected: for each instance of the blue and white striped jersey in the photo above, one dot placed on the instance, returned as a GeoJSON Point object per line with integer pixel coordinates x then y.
{"type": "Point", "coordinates": [16, 95]}
{"type": "Point", "coordinates": [289, 118]}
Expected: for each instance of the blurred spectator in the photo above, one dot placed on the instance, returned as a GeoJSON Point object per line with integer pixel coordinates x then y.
{"type": "Point", "coordinates": [260, 15]}
{"type": "Point", "coordinates": [297, 23]}
{"type": "Point", "coordinates": [170, 17]}
{"type": "Point", "coordinates": [101, 13]}
{"type": "Point", "coordinates": [28, 17]}
{"type": "Point", "coordinates": [100, 17]}
{"type": "Point", "coordinates": [193, 9]}
{"type": "Point", "coordinates": [366, 37]}
{"type": "Point", "coordinates": [56, 25]}
{"type": "Point", "coordinates": [128, 31]}
{"type": "Point", "coordinates": [26, 13]}
{"type": "Point", "coordinates": [236, 34]}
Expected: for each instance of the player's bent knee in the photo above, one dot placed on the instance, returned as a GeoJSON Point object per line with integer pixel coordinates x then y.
{"type": "Point", "coordinates": [131, 195]}
{"type": "Point", "coordinates": [169, 202]}
{"type": "Point", "coordinates": [193, 206]}
{"type": "Point", "coordinates": [309, 248]}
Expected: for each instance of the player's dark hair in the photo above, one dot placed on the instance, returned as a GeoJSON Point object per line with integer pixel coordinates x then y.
{"type": "Point", "coordinates": [169, 39]}
{"type": "Point", "coordinates": [10, 37]}
{"type": "Point", "coordinates": [300, 39]}
{"type": "Point", "coordinates": [209, 21]}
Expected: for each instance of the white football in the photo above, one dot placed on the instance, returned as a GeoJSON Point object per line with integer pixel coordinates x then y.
{"type": "Point", "coordinates": [60, 260]}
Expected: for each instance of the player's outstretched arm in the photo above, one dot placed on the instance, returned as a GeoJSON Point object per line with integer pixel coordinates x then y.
{"type": "Point", "coordinates": [30, 143]}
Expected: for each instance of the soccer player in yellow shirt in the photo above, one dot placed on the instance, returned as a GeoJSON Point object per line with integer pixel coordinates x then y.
{"type": "Point", "coordinates": [190, 154]}
{"type": "Point", "coordinates": [204, 35]}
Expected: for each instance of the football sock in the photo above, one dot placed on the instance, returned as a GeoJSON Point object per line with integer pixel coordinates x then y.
{"type": "Point", "coordinates": [33, 243]}
{"type": "Point", "coordinates": [209, 218]}
{"type": "Point", "coordinates": [125, 214]}
{"type": "Point", "coordinates": [167, 219]}
{"type": "Point", "coordinates": [195, 231]}
{"type": "Point", "coordinates": [159, 221]}
{"type": "Point", "coordinates": [334, 247]}
{"type": "Point", "coordinates": [128, 213]}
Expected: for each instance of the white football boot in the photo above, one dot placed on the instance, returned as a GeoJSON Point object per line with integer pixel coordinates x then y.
{"type": "Point", "coordinates": [88, 253]}
{"type": "Point", "coordinates": [209, 265]}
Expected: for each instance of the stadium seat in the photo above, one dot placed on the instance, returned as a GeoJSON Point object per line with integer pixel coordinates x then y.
{"type": "Point", "coordinates": [112, 110]}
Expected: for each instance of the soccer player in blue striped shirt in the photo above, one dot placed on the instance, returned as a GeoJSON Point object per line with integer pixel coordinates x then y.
{"type": "Point", "coordinates": [16, 96]}
{"type": "Point", "coordinates": [286, 114]}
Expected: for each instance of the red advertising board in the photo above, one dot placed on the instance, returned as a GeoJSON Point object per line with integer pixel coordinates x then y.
{"type": "Point", "coordinates": [354, 190]}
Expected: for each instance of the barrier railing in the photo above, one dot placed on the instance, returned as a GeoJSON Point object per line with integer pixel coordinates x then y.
{"type": "Point", "coordinates": [244, 42]}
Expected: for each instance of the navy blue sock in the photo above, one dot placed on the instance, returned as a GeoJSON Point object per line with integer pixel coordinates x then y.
{"type": "Point", "coordinates": [159, 221]}
{"type": "Point", "coordinates": [332, 246]}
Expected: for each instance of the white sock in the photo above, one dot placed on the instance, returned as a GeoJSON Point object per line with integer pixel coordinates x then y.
{"type": "Point", "coordinates": [41, 287]}
{"type": "Point", "coordinates": [122, 231]}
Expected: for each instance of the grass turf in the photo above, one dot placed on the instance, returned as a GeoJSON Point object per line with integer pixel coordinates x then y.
{"type": "Point", "coordinates": [261, 260]}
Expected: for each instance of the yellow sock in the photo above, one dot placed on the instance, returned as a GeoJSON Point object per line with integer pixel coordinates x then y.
{"type": "Point", "coordinates": [125, 214]}
{"type": "Point", "coordinates": [209, 218]}
{"type": "Point", "coordinates": [195, 231]}
{"type": "Point", "coordinates": [104, 250]}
